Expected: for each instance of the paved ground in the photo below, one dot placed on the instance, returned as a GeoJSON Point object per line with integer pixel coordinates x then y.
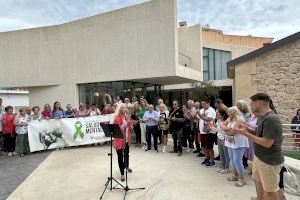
{"type": "Point", "coordinates": [80, 174]}
{"type": "Point", "coordinates": [14, 170]}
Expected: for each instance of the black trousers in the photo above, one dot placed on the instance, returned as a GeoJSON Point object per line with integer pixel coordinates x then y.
{"type": "Point", "coordinates": [137, 130]}
{"type": "Point", "coordinates": [9, 143]}
{"type": "Point", "coordinates": [177, 139]}
{"type": "Point", "coordinates": [188, 136]}
{"type": "Point", "coordinates": [151, 131]}
{"type": "Point", "coordinates": [122, 160]}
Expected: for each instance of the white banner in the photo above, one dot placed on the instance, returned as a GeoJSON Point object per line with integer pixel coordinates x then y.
{"type": "Point", "coordinates": [59, 133]}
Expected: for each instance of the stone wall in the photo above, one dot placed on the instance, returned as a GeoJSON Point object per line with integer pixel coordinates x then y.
{"type": "Point", "coordinates": [278, 74]}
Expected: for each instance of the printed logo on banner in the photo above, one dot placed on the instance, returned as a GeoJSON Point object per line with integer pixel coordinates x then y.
{"type": "Point", "coordinates": [78, 131]}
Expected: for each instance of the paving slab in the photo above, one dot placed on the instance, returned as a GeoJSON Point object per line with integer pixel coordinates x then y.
{"type": "Point", "coordinates": [80, 174]}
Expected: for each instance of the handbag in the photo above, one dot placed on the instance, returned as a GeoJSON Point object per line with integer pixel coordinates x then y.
{"type": "Point", "coordinates": [291, 181]}
{"type": "Point", "coordinates": [208, 128]}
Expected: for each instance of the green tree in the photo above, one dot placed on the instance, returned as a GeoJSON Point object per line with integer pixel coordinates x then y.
{"type": "Point", "coordinates": [204, 90]}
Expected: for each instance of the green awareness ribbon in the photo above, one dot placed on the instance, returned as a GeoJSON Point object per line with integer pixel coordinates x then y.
{"type": "Point", "coordinates": [78, 132]}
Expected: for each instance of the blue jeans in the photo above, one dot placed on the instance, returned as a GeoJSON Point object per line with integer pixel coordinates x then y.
{"type": "Point", "coordinates": [236, 158]}
{"type": "Point", "coordinates": [224, 157]}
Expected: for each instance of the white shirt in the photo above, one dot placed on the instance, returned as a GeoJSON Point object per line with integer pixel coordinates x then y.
{"type": "Point", "coordinates": [235, 141]}
{"type": "Point", "coordinates": [221, 134]}
{"type": "Point", "coordinates": [211, 113]}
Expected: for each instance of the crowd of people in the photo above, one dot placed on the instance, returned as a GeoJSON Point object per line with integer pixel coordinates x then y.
{"type": "Point", "coordinates": [239, 134]}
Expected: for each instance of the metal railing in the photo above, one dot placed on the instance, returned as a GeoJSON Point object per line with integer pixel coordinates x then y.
{"type": "Point", "coordinates": [291, 134]}
{"type": "Point", "coordinates": [184, 60]}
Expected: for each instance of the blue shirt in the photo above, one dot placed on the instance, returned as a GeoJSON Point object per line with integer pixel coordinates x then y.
{"type": "Point", "coordinates": [58, 114]}
{"type": "Point", "coordinates": [153, 115]}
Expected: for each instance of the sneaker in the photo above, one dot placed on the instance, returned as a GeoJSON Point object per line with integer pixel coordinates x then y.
{"type": "Point", "coordinates": [210, 164]}
{"type": "Point", "coordinates": [224, 171]}
{"type": "Point", "coordinates": [179, 153]}
{"type": "Point", "coordinates": [122, 178]}
{"type": "Point", "coordinates": [10, 154]}
{"type": "Point", "coordinates": [14, 153]}
{"type": "Point", "coordinates": [196, 151]}
{"type": "Point", "coordinates": [147, 150]}
{"type": "Point", "coordinates": [200, 155]}
{"type": "Point", "coordinates": [145, 147]}
{"type": "Point", "coordinates": [219, 170]}
{"type": "Point", "coordinates": [205, 161]}
{"type": "Point", "coordinates": [240, 183]}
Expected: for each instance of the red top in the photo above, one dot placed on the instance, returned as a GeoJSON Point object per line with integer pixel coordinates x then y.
{"type": "Point", "coordinates": [46, 114]}
{"type": "Point", "coordinates": [8, 127]}
{"type": "Point", "coordinates": [106, 112]}
{"type": "Point", "coordinates": [118, 142]}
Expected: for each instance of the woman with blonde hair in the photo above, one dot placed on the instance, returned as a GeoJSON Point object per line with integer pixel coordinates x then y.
{"type": "Point", "coordinates": [236, 144]}
{"type": "Point", "coordinates": [163, 125]}
{"type": "Point", "coordinates": [143, 109]}
{"type": "Point", "coordinates": [136, 123]}
{"type": "Point", "coordinates": [125, 125]}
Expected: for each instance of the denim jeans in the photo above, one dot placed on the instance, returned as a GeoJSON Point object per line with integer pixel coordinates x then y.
{"type": "Point", "coordinates": [224, 156]}
{"type": "Point", "coordinates": [236, 158]}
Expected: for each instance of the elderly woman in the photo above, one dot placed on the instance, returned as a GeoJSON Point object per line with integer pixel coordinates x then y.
{"type": "Point", "coordinates": [8, 131]}
{"type": "Point", "coordinates": [125, 125]}
{"type": "Point", "coordinates": [82, 112]}
{"type": "Point", "coordinates": [46, 114]}
{"type": "Point", "coordinates": [21, 123]}
{"type": "Point", "coordinates": [36, 114]}
{"type": "Point", "coordinates": [106, 109]}
{"type": "Point", "coordinates": [236, 144]}
{"type": "Point", "coordinates": [94, 110]}
{"type": "Point", "coordinates": [244, 109]}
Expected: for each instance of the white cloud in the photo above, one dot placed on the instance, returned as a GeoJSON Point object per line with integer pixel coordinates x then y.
{"type": "Point", "coordinates": [269, 18]}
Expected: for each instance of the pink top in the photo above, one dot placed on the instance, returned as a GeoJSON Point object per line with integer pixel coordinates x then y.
{"type": "Point", "coordinates": [46, 114]}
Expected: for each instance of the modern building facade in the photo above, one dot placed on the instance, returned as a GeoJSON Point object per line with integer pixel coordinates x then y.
{"type": "Point", "coordinates": [217, 49]}
{"type": "Point", "coordinates": [273, 69]}
{"type": "Point", "coordinates": [133, 50]}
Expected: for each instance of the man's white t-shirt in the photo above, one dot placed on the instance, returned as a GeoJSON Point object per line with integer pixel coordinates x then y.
{"type": "Point", "coordinates": [211, 113]}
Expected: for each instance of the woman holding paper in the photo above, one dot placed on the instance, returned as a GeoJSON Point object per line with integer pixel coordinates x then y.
{"type": "Point", "coordinates": [125, 125]}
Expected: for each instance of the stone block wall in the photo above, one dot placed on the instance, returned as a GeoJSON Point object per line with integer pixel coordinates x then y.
{"type": "Point", "coordinates": [278, 74]}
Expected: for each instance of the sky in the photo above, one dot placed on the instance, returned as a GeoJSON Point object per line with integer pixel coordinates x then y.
{"type": "Point", "coordinates": [265, 18]}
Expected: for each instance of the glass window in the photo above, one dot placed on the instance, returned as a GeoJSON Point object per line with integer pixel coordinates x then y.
{"type": "Point", "coordinates": [214, 64]}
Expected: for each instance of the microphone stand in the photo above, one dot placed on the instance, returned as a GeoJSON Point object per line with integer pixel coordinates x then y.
{"type": "Point", "coordinates": [110, 179]}
{"type": "Point", "coordinates": [126, 164]}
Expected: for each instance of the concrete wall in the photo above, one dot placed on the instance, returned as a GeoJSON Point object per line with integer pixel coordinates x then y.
{"type": "Point", "coordinates": [136, 42]}
{"type": "Point", "coordinates": [190, 46]}
{"type": "Point", "coordinates": [277, 73]}
{"type": "Point", "coordinates": [15, 99]}
{"type": "Point", "coordinates": [67, 93]}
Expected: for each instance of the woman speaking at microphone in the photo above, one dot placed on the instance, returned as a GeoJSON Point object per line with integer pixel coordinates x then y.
{"type": "Point", "coordinates": [119, 143]}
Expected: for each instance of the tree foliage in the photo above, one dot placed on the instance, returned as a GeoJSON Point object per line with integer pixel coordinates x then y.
{"type": "Point", "coordinates": [204, 90]}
